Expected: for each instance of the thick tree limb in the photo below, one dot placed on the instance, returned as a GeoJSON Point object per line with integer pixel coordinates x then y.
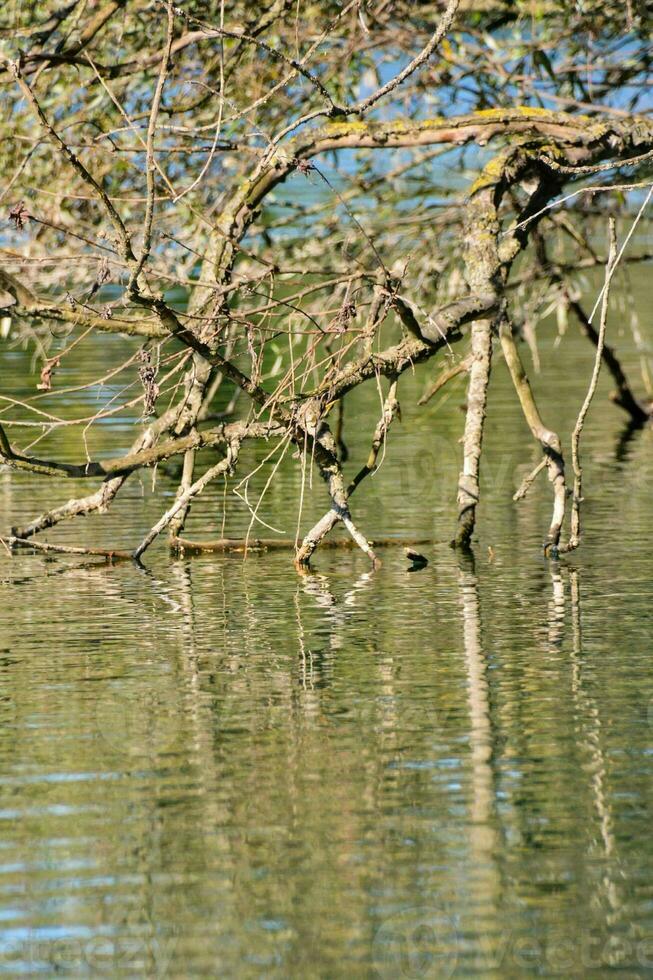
{"type": "Point", "coordinates": [549, 440]}
{"type": "Point", "coordinates": [479, 379]}
{"type": "Point", "coordinates": [123, 465]}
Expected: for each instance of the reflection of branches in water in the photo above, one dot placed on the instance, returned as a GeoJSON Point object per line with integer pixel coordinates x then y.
{"type": "Point", "coordinates": [481, 732]}
{"type": "Point", "coordinates": [624, 444]}
{"type": "Point", "coordinates": [556, 614]}
{"type": "Point", "coordinates": [337, 611]}
{"type": "Point", "coordinates": [317, 586]}
{"type": "Point", "coordinates": [48, 570]}
{"type": "Point", "coordinates": [307, 661]}
{"type": "Point", "coordinates": [588, 720]}
{"type": "Point", "coordinates": [200, 718]}
{"type": "Point", "coordinates": [158, 588]}
{"type": "Point", "coordinates": [483, 818]}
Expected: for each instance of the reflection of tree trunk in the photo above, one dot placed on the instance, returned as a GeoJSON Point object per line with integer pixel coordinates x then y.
{"type": "Point", "coordinates": [479, 708]}
{"type": "Point", "coordinates": [339, 612]}
{"type": "Point", "coordinates": [482, 820]}
{"type": "Point", "coordinates": [188, 655]}
{"type": "Point", "coordinates": [556, 607]}
{"type": "Point", "coordinates": [588, 720]}
{"type": "Point", "coordinates": [588, 730]}
{"type": "Point", "coordinates": [146, 832]}
{"type": "Point", "coordinates": [199, 717]}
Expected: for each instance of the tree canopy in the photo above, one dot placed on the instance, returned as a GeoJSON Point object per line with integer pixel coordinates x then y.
{"type": "Point", "coordinates": [284, 201]}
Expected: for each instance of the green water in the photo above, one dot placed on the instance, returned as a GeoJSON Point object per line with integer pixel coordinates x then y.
{"type": "Point", "coordinates": [216, 768]}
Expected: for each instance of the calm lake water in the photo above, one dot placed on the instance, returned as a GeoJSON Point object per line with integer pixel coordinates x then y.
{"type": "Point", "coordinates": [214, 767]}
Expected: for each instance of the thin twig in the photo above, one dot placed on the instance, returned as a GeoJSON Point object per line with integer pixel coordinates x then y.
{"type": "Point", "coordinates": [575, 530]}
{"type": "Point", "coordinates": [528, 480]}
{"type": "Point", "coordinates": [222, 467]}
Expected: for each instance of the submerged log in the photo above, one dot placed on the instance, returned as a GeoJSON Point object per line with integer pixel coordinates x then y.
{"type": "Point", "coordinates": [184, 546]}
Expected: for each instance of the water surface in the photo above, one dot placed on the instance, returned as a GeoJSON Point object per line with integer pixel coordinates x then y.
{"type": "Point", "coordinates": [215, 767]}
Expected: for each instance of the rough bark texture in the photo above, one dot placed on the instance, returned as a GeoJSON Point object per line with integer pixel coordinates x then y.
{"type": "Point", "coordinates": [468, 481]}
